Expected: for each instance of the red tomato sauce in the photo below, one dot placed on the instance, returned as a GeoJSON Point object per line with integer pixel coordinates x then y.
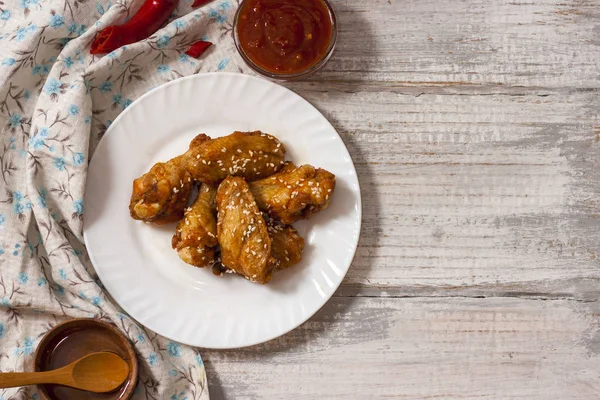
{"type": "Point", "coordinates": [285, 36]}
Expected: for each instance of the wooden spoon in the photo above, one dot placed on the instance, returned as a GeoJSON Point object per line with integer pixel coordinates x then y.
{"type": "Point", "coordinates": [96, 372]}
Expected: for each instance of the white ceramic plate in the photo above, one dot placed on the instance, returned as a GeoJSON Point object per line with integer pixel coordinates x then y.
{"type": "Point", "coordinates": [135, 260]}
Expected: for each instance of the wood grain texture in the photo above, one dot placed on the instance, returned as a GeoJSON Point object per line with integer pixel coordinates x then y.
{"type": "Point", "coordinates": [383, 348]}
{"type": "Point", "coordinates": [475, 130]}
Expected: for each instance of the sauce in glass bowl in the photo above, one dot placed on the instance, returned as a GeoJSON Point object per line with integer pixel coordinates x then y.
{"type": "Point", "coordinates": [285, 38]}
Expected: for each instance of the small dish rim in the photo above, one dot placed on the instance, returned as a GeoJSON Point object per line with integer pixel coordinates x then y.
{"type": "Point", "coordinates": [291, 76]}
{"type": "Point", "coordinates": [77, 322]}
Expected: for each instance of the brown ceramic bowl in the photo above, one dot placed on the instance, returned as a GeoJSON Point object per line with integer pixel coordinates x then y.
{"type": "Point", "coordinates": [74, 339]}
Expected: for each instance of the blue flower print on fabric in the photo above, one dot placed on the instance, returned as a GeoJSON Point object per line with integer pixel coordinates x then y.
{"type": "Point", "coordinates": [105, 86]}
{"type": "Point", "coordinates": [42, 198]}
{"type": "Point", "coordinates": [2, 219]}
{"type": "Point", "coordinates": [78, 158]}
{"type": "Point", "coordinates": [2, 330]}
{"type": "Point", "coordinates": [78, 206]}
{"type": "Point", "coordinates": [18, 208]}
{"type": "Point", "coordinates": [173, 349]}
{"type": "Point", "coordinates": [5, 15]}
{"type": "Point", "coordinates": [75, 29]}
{"type": "Point", "coordinates": [223, 64]}
{"type": "Point", "coordinates": [27, 347]}
{"type": "Point", "coordinates": [9, 61]}
{"type": "Point", "coordinates": [163, 41]}
{"type": "Point", "coordinates": [225, 5]}
{"type": "Point", "coordinates": [59, 163]}
{"type": "Point", "coordinates": [22, 32]}
{"type": "Point", "coordinates": [73, 109]}
{"type": "Point", "coordinates": [53, 88]}
{"type": "Point", "coordinates": [40, 69]}
{"type": "Point", "coordinates": [218, 14]}
{"type": "Point", "coordinates": [56, 21]}
{"type": "Point", "coordinates": [184, 58]}
{"type": "Point", "coordinates": [23, 278]}
{"type": "Point", "coordinates": [68, 62]}
{"type": "Point", "coordinates": [152, 359]}
{"type": "Point", "coordinates": [28, 3]}
{"type": "Point", "coordinates": [15, 121]}
{"type": "Point", "coordinates": [163, 69]}
{"type": "Point", "coordinates": [36, 142]}
{"type": "Point", "coordinates": [43, 132]}
{"type": "Point", "coordinates": [100, 9]}
{"type": "Point", "coordinates": [62, 274]}
{"type": "Point", "coordinates": [117, 99]}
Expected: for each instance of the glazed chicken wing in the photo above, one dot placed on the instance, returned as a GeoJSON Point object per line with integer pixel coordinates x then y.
{"type": "Point", "coordinates": [160, 195]}
{"type": "Point", "coordinates": [242, 232]}
{"type": "Point", "coordinates": [251, 155]}
{"type": "Point", "coordinates": [286, 244]}
{"type": "Point", "coordinates": [294, 193]}
{"type": "Point", "coordinates": [196, 236]}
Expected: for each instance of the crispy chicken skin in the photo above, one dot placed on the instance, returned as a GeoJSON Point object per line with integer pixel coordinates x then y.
{"type": "Point", "coordinates": [286, 244]}
{"type": "Point", "coordinates": [251, 155]}
{"type": "Point", "coordinates": [294, 193]}
{"type": "Point", "coordinates": [160, 195]}
{"type": "Point", "coordinates": [196, 236]}
{"type": "Point", "coordinates": [242, 232]}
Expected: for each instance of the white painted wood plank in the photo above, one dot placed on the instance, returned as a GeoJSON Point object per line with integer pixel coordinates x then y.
{"type": "Point", "coordinates": [466, 193]}
{"type": "Point", "coordinates": [547, 43]}
{"type": "Point", "coordinates": [371, 348]}
{"type": "Point", "coordinates": [475, 127]}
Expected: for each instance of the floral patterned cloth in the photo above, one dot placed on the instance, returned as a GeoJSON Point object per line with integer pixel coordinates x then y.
{"type": "Point", "coordinates": [56, 102]}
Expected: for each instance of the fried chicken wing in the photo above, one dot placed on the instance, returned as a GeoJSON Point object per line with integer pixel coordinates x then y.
{"type": "Point", "coordinates": [251, 155]}
{"type": "Point", "coordinates": [286, 244]}
{"type": "Point", "coordinates": [294, 193]}
{"type": "Point", "coordinates": [242, 232]}
{"type": "Point", "coordinates": [196, 236]}
{"type": "Point", "coordinates": [160, 195]}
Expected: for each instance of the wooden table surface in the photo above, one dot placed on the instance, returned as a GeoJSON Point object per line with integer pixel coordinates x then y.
{"type": "Point", "coordinates": [474, 126]}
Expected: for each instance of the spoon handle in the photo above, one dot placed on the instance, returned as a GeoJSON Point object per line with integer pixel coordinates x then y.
{"type": "Point", "coordinates": [14, 379]}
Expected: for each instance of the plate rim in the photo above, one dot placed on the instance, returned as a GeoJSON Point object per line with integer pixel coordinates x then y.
{"type": "Point", "coordinates": [236, 75]}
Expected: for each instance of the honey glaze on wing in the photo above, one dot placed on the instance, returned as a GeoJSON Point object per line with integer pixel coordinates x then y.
{"type": "Point", "coordinates": [283, 36]}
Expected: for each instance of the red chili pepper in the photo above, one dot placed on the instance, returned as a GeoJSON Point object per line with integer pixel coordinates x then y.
{"type": "Point", "coordinates": [149, 18]}
{"type": "Point", "coordinates": [198, 3]}
{"type": "Point", "coordinates": [198, 48]}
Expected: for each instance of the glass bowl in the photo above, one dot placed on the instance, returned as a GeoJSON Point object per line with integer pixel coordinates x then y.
{"type": "Point", "coordinates": [287, 76]}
